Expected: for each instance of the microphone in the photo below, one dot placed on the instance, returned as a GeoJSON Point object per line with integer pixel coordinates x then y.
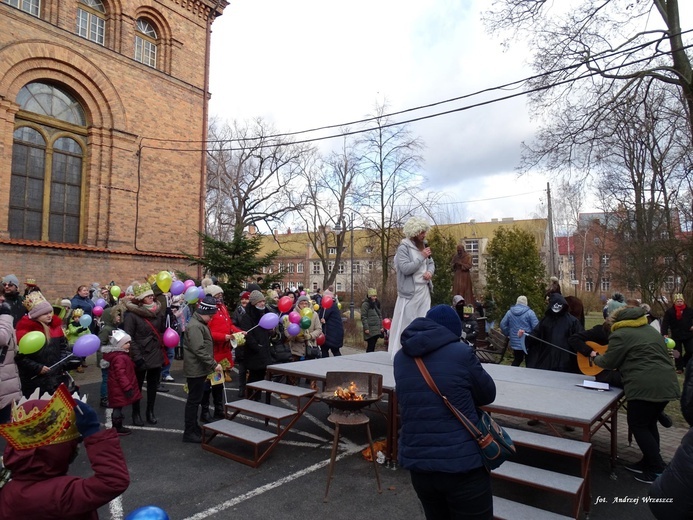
{"type": "Point", "coordinates": [425, 244]}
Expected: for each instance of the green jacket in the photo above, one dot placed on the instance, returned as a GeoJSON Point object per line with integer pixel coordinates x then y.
{"type": "Point", "coordinates": [639, 352]}
{"type": "Point", "coordinates": [371, 319]}
{"type": "Point", "coordinates": [198, 357]}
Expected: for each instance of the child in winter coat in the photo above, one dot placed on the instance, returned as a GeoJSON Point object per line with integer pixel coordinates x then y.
{"type": "Point", "coordinates": [122, 381]}
{"type": "Point", "coordinates": [74, 330]}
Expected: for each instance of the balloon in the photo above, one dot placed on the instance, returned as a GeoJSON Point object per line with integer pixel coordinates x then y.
{"type": "Point", "coordinates": [148, 513]}
{"type": "Point", "coordinates": [97, 311]}
{"type": "Point", "coordinates": [306, 322]}
{"type": "Point", "coordinates": [171, 338]}
{"type": "Point", "coordinates": [86, 345]}
{"type": "Point", "coordinates": [387, 323]}
{"type": "Point", "coordinates": [302, 293]}
{"type": "Point", "coordinates": [284, 304]}
{"type": "Point", "coordinates": [191, 294]}
{"type": "Point", "coordinates": [269, 321]}
{"type": "Point", "coordinates": [188, 284]}
{"type": "Point", "coordinates": [316, 307]}
{"type": "Point", "coordinates": [85, 320]}
{"type": "Point", "coordinates": [164, 280]}
{"type": "Point", "coordinates": [293, 329]}
{"type": "Point", "coordinates": [100, 303]}
{"type": "Point", "coordinates": [307, 312]}
{"type": "Point", "coordinates": [115, 291]}
{"type": "Point", "coordinates": [339, 305]}
{"type": "Point", "coordinates": [32, 342]}
{"type": "Point", "coordinates": [200, 293]}
{"type": "Point", "coordinates": [177, 288]}
{"type": "Point", "coordinates": [327, 302]}
{"type": "Point", "coordinates": [294, 317]}
{"type": "Point", "coordinates": [320, 340]}
{"type": "Point", "coordinates": [670, 343]}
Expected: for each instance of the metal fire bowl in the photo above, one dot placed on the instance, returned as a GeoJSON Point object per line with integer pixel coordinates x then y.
{"type": "Point", "coordinates": [347, 405]}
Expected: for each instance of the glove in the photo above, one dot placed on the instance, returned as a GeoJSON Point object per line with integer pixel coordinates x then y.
{"type": "Point", "coordinates": [5, 308]}
{"type": "Point", "coordinates": [81, 329]}
{"type": "Point", "coordinates": [139, 364]}
{"type": "Point", "coordinates": [129, 393]}
{"type": "Point", "coordinates": [87, 420]}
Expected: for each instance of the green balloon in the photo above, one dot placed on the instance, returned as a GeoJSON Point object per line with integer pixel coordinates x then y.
{"type": "Point", "coordinates": [306, 322]}
{"type": "Point", "coordinates": [32, 342]}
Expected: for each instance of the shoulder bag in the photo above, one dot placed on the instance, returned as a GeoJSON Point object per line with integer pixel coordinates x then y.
{"type": "Point", "coordinates": [494, 442]}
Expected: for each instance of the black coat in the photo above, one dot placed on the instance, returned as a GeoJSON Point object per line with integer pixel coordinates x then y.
{"type": "Point", "coordinates": [676, 482]}
{"type": "Point", "coordinates": [680, 329]}
{"type": "Point", "coordinates": [146, 329]}
{"type": "Point", "coordinates": [256, 350]}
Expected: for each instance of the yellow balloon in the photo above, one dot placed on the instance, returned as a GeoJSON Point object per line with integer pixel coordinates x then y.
{"type": "Point", "coordinates": [339, 306]}
{"type": "Point", "coordinates": [316, 307]}
{"type": "Point", "coordinates": [307, 312]}
{"type": "Point", "coordinates": [115, 291]}
{"type": "Point", "coordinates": [164, 280]}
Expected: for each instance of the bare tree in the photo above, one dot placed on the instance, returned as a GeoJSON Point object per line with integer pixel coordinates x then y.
{"type": "Point", "coordinates": [251, 176]}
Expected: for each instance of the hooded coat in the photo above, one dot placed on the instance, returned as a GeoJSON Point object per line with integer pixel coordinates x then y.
{"type": "Point", "coordinates": [41, 488]}
{"type": "Point", "coordinates": [10, 386]}
{"type": "Point", "coordinates": [146, 328]}
{"type": "Point", "coordinates": [220, 325]}
{"type": "Point", "coordinates": [556, 328]}
{"type": "Point", "coordinates": [518, 317]}
{"type": "Point", "coordinates": [432, 438]}
{"type": "Point", "coordinates": [371, 318]}
{"type": "Point", "coordinates": [256, 350]}
{"type": "Point", "coordinates": [121, 377]}
{"type": "Point", "coordinates": [333, 328]}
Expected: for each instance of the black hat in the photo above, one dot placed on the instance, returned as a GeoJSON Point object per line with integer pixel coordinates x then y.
{"type": "Point", "coordinates": [207, 306]}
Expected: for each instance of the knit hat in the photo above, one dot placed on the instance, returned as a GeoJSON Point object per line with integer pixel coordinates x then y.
{"type": "Point", "coordinates": [521, 300]}
{"type": "Point", "coordinates": [142, 290]}
{"type": "Point", "coordinates": [213, 290]}
{"type": "Point", "coordinates": [372, 292]}
{"type": "Point", "coordinates": [302, 299]}
{"type": "Point", "coordinates": [245, 295]}
{"type": "Point", "coordinates": [207, 306]}
{"type": "Point", "coordinates": [65, 303]}
{"type": "Point", "coordinates": [119, 338]}
{"type": "Point", "coordinates": [11, 279]}
{"type": "Point", "coordinates": [457, 299]}
{"type": "Point", "coordinates": [206, 282]}
{"type": "Point", "coordinates": [255, 297]}
{"type": "Point", "coordinates": [679, 296]}
{"type": "Point", "coordinates": [37, 305]}
{"type": "Point", "coordinates": [613, 305]}
{"type": "Point", "coordinates": [447, 317]}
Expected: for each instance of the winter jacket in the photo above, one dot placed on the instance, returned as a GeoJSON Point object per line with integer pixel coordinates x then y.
{"type": "Point", "coordinates": [333, 328]}
{"type": "Point", "coordinates": [371, 318]}
{"type": "Point", "coordinates": [431, 438]}
{"type": "Point", "coordinates": [41, 488]}
{"type": "Point", "coordinates": [298, 343]}
{"type": "Point", "coordinates": [55, 350]}
{"type": "Point", "coordinates": [17, 309]}
{"type": "Point", "coordinates": [121, 377]}
{"type": "Point", "coordinates": [408, 261]}
{"type": "Point", "coordinates": [146, 329]}
{"type": "Point", "coordinates": [639, 352]}
{"type": "Point", "coordinates": [675, 484]}
{"type": "Point", "coordinates": [220, 325]}
{"type": "Point", "coordinates": [518, 317]}
{"type": "Point", "coordinates": [73, 331]}
{"type": "Point", "coordinates": [256, 350]}
{"type": "Point", "coordinates": [687, 394]}
{"type": "Point", "coordinates": [198, 356]}
{"type": "Point", "coordinates": [10, 387]}
{"type": "Point", "coordinates": [679, 330]}
{"type": "Point", "coordinates": [236, 318]}
{"type": "Point", "coordinates": [555, 328]}
{"type": "Point", "coordinates": [77, 302]}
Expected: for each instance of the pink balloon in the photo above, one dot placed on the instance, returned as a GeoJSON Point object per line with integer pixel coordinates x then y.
{"type": "Point", "coordinates": [171, 338]}
{"type": "Point", "coordinates": [97, 311]}
{"type": "Point", "coordinates": [188, 284]}
{"type": "Point", "coordinates": [86, 345]}
{"type": "Point", "coordinates": [294, 317]}
{"type": "Point", "coordinates": [302, 293]}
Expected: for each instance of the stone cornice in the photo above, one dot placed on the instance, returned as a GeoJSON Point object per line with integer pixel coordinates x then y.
{"type": "Point", "coordinates": [203, 8]}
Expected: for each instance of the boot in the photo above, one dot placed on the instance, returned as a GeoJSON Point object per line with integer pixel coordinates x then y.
{"type": "Point", "coordinates": [136, 417]}
{"type": "Point", "coordinates": [204, 416]}
{"type": "Point", "coordinates": [151, 418]}
{"type": "Point", "coordinates": [118, 425]}
{"type": "Point", "coordinates": [218, 398]}
{"type": "Point", "coordinates": [219, 411]}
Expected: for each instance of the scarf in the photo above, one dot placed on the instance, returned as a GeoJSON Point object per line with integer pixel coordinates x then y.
{"type": "Point", "coordinates": [679, 310]}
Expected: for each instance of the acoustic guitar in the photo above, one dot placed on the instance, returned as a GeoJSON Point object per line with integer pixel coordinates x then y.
{"type": "Point", "coordinates": [586, 364]}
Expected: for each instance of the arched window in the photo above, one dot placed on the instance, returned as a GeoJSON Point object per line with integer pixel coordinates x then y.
{"type": "Point", "coordinates": [145, 43]}
{"type": "Point", "coordinates": [47, 165]}
{"type": "Point", "coordinates": [91, 20]}
{"type": "Point", "coordinates": [28, 6]}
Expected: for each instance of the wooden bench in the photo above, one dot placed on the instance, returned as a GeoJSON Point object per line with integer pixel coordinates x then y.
{"type": "Point", "coordinates": [496, 349]}
{"type": "Point", "coordinates": [504, 509]}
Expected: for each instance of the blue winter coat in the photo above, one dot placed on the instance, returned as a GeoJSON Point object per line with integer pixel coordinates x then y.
{"type": "Point", "coordinates": [431, 438]}
{"type": "Point", "coordinates": [333, 328]}
{"type": "Point", "coordinates": [518, 317]}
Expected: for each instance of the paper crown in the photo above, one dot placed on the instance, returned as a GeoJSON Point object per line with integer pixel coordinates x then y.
{"type": "Point", "coordinates": [78, 313]}
{"type": "Point", "coordinates": [30, 282]}
{"type": "Point", "coordinates": [468, 309]}
{"type": "Point", "coordinates": [36, 304]}
{"type": "Point", "coordinates": [33, 427]}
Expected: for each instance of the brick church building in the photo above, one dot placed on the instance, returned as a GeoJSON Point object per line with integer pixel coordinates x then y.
{"type": "Point", "coordinates": [103, 115]}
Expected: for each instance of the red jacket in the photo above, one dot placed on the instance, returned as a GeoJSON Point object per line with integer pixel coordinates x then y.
{"type": "Point", "coordinates": [220, 325]}
{"type": "Point", "coordinates": [121, 378]}
{"type": "Point", "coordinates": [41, 488]}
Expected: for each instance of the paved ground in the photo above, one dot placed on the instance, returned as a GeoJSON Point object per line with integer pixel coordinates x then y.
{"type": "Point", "coordinates": [190, 483]}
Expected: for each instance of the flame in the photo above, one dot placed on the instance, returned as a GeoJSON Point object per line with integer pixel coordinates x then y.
{"type": "Point", "coordinates": [349, 394]}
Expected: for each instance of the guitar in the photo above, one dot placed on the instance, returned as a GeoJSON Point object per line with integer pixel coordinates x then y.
{"type": "Point", "coordinates": [586, 364]}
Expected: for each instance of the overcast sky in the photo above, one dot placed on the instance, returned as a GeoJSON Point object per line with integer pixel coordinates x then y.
{"type": "Point", "coordinates": [302, 64]}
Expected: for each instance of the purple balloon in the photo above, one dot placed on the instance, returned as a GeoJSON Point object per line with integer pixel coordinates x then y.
{"type": "Point", "coordinates": [293, 329]}
{"type": "Point", "coordinates": [177, 288]}
{"type": "Point", "coordinates": [86, 345]}
{"type": "Point", "coordinates": [101, 303]}
{"type": "Point", "coordinates": [200, 293]}
{"type": "Point", "coordinates": [269, 321]}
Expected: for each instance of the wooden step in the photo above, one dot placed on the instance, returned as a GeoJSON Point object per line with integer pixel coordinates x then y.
{"type": "Point", "coordinates": [550, 443]}
{"type": "Point", "coordinates": [504, 509]}
{"type": "Point", "coordinates": [281, 388]}
{"type": "Point", "coordinates": [539, 478]}
{"type": "Point", "coordinates": [261, 409]}
{"type": "Point", "coordinates": [239, 431]}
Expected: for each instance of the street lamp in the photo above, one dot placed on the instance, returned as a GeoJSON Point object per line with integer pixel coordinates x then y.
{"type": "Point", "coordinates": [338, 228]}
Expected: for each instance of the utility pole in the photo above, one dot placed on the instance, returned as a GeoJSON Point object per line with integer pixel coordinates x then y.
{"type": "Point", "coordinates": [351, 304]}
{"type": "Point", "coordinates": [552, 240]}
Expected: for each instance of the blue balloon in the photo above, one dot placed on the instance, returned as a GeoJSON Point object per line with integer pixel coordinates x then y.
{"type": "Point", "coordinates": [147, 513]}
{"type": "Point", "coordinates": [85, 320]}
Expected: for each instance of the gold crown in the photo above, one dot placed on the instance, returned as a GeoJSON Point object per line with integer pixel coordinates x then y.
{"type": "Point", "coordinates": [30, 281]}
{"type": "Point", "coordinates": [32, 299]}
{"type": "Point", "coordinates": [54, 424]}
